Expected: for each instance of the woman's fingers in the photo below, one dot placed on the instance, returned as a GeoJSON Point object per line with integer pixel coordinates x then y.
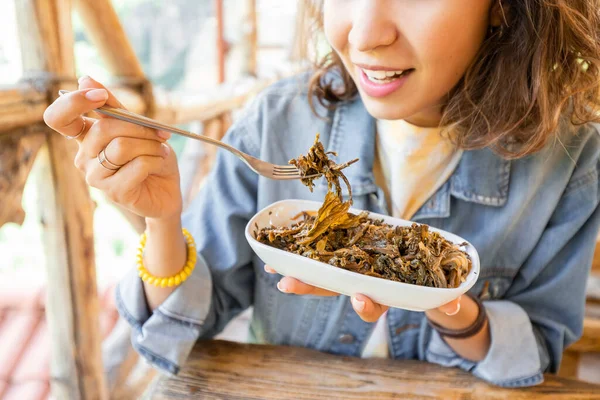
{"type": "Point", "coordinates": [65, 114]}
{"type": "Point", "coordinates": [270, 270]}
{"type": "Point", "coordinates": [88, 83]}
{"type": "Point", "coordinates": [130, 177]}
{"type": "Point", "coordinates": [105, 130]}
{"type": "Point", "coordinates": [122, 185]}
{"type": "Point", "coordinates": [367, 309]}
{"type": "Point", "coordinates": [119, 152]}
{"type": "Point", "coordinates": [123, 149]}
{"type": "Point", "coordinates": [294, 286]}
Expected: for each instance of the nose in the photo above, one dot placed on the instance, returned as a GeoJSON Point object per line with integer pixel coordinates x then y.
{"type": "Point", "coordinates": [372, 27]}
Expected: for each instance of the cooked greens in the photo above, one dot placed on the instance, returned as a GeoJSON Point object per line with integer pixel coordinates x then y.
{"type": "Point", "coordinates": [411, 254]}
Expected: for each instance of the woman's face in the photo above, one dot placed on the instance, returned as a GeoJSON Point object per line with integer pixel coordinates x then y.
{"type": "Point", "coordinates": [406, 55]}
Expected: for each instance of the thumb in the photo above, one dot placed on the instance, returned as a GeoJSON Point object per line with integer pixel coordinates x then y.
{"type": "Point", "coordinates": [367, 309]}
{"type": "Point", "coordinates": [86, 82]}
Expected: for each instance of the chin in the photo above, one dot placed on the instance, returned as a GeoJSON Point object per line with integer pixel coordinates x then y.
{"type": "Point", "coordinates": [385, 109]}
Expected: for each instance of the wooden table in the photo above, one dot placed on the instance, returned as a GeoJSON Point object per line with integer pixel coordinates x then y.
{"type": "Point", "coordinates": [226, 370]}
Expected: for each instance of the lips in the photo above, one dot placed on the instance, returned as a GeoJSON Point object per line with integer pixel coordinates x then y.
{"type": "Point", "coordinates": [381, 82]}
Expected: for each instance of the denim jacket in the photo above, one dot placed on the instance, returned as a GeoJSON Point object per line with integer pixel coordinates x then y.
{"type": "Point", "coordinates": [534, 222]}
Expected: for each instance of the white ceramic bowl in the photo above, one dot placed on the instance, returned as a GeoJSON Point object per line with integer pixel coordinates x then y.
{"type": "Point", "coordinates": [316, 273]}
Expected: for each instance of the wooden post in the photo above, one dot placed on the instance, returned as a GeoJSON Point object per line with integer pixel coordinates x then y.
{"type": "Point", "coordinates": [104, 28]}
{"type": "Point", "coordinates": [67, 214]}
{"type": "Point", "coordinates": [250, 41]}
{"type": "Point", "coordinates": [17, 154]}
{"type": "Point", "coordinates": [596, 261]}
{"type": "Point", "coordinates": [221, 44]}
{"type": "Point", "coordinates": [106, 32]}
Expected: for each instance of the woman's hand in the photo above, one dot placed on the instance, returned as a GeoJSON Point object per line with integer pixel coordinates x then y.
{"type": "Point", "coordinates": [142, 174]}
{"type": "Point", "coordinates": [366, 308]}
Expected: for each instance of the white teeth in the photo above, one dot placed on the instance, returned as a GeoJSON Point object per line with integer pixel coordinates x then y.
{"type": "Point", "coordinates": [381, 76]}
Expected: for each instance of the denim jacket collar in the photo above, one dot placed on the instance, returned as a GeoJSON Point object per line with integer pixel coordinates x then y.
{"type": "Point", "coordinates": [481, 176]}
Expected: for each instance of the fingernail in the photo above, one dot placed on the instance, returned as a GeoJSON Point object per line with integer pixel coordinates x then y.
{"type": "Point", "coordinates": [281, 288]}
{"type": "Point", "coordinates": [163, 135]}
{"type": "Point", "coordinates": [357, 304]}
{"type": "Point", "coordinates": [82, 79]}
{"type": "Point", "coordinates": [455, 312]}
{"type": "Point", "coordinates": [166, 150]}
{"type": "Point", "coordinates": [97, 95]}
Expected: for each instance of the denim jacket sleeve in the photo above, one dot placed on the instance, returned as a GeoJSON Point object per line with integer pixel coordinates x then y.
{"type": "Point", "coordinates": [542, 312]}
{"type": "Point", "coordinates": [222, 283]}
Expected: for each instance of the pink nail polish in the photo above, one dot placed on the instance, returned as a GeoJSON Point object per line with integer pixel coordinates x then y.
{"type": "Point", "coordinates": [97, 95]}
{"type": "Point", "coordinates": [166, 150]}
{"type": "Point", "coordinates": [163, 135]}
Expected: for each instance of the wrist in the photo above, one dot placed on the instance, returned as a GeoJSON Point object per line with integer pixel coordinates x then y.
{"type": "Point", "coordinates": [164, 223]}
{"type": "Point", "coordinates": [165, 252]}
{"type": "Point", "coordinates": [464, 318]}
{"type": "Point", "coordinates": [463, 325]}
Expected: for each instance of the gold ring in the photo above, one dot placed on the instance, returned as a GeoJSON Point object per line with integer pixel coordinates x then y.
{"type": "Point", "coordinates": [102, 159]}
{"type": "Point", "coordinates": [80, 132]}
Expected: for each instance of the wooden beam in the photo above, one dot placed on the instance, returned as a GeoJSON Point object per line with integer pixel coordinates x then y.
{"type": "Point", "coordinates": [21, 105]}
{"type": "Point", "coordinates": [590, 340]}
{"type": "Point", "coordinates": [106, 33]}
{"type": "Point", "coordinates": [596, 261]}
{"type": "Point", "coordinates": [67, 214]}
{"type": "Point", "coordinates": [17, 154]}
{"type": "Point", "coordinates": [24, 105]}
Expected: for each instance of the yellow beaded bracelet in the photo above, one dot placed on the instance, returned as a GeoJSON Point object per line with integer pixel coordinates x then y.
{"type": "Point", "coordinates": [169, 281]}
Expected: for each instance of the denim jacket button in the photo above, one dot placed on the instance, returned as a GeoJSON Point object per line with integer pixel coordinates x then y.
{"type": "Point", "coordinates": [346, 338]}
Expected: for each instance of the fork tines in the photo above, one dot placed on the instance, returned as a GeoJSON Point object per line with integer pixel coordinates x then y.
{"type": "Point", "coordinates": [285, 171]}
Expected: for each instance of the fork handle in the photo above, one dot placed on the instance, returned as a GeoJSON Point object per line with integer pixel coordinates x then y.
{"type": "Point", "coordinates": [137, 119]}
{"type": "Point", "coordinates": [128, 116]}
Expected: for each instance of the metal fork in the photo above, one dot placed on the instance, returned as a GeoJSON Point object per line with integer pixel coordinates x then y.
{"type": "Point", "coordinates": [266, 169]}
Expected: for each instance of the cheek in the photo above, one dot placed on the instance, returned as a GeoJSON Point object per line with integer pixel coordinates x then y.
{"type": "Point", "coordinates": [337, 22]}
{"type": "Point", "coordinates": [449, 47]}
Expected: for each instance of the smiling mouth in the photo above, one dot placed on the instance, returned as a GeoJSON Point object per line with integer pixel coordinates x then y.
{"type": "Point", "coordinates": [383, 77]}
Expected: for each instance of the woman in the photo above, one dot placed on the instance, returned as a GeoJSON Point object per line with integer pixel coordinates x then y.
{"type": "Point", "coordinates": [474, 116]}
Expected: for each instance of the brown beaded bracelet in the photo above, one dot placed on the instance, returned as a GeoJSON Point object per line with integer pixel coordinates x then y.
{"type": "Point", "coordinates": [467, 332]}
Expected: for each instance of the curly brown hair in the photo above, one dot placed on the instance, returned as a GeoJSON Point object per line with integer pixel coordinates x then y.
{"type": "Point", "coordinates": [549, 51]}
